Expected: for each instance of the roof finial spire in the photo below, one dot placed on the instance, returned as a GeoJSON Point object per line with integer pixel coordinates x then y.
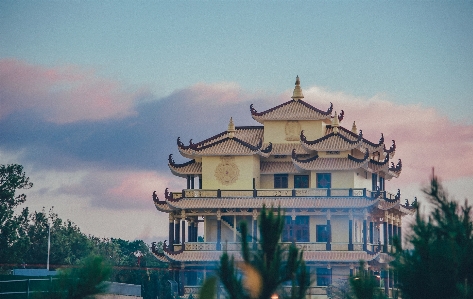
{"type": "Point", "coordinates": [231, 128]}
{"type": "Point", "coordinates": [297, 94]}
{"type": "Point", "coordinates": [335, 123]}
{"type": "Point", "coordinates": [354, 129]}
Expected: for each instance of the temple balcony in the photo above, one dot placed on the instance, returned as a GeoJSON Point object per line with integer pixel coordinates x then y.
{"type": "Point", "coordinates": [299, 192]}
{"type": "Point", "coordinates": [305, 246]}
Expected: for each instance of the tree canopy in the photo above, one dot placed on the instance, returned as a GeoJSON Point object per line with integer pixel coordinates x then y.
{"type": "Point", "coordinates": [440, 262]}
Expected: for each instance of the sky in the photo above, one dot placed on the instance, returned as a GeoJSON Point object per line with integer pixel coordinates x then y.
{"type": "Point", "coordinates": [93, 94]}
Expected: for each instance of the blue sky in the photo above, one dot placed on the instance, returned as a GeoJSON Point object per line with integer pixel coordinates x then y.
{"type": "Point", "coordinates": [105, 87]}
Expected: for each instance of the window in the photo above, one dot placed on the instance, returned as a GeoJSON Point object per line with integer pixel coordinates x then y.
{"type": "Point", "coordinates": [374, 181]}
{"type": "Point", "coordinates": [324, 180]}
{"type": "Point", "coordinates": [324, 276]}
{"type": "Point", "coordinates": [381, 183]}
{"type": "Point", "coordinates": [296, 230]}
{"type": "Point", "coordinates": [301, 181]}
{"type": "Point", "coordinates": [280, 180]}
{"type": "Point", "coordinates": [322, 233]}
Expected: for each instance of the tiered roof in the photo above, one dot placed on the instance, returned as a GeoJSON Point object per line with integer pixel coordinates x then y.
{"type": "Point", "coordinates": [248, 140]}
{"type": "Point", "coordinates": [291, 110]}
{"type": "Point", "coordinates": [243, 141]}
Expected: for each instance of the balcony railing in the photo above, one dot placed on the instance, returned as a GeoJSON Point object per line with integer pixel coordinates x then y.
{"type": "Point", "coordinates": [306, 246]}
{"type": "Point", "coordinates": [302, 192]}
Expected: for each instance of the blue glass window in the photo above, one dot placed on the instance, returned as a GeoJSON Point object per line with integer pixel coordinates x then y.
{"type": "Point", "coordinates": [324, 180]}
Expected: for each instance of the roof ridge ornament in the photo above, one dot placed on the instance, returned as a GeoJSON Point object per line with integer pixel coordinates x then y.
{"type": "Point", "coordinates": [354, 128]}
{"type": "Point", "coordinates": [297, 93]}
{"type": "Point", "coordinates": [231, 128]}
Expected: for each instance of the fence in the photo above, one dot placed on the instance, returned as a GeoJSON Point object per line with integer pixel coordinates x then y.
{"type": "Point", "coordinates": [26, 288]}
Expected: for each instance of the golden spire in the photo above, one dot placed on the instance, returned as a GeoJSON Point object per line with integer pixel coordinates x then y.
{"type": "Point", "coordinates": [231, 128]}
{"type": "Point", "coordinates": [354, 129]}
{"type": "Point", "coordinates": [335, 123]}
{"type": "Point", "coordinates": [297, 94]}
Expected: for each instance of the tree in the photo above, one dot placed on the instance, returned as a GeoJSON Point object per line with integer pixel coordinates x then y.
{"type": "Point", "coordinates": [363, 285]}
{"type": "Point", "coordinates": [265, 271]}
{"type": "Point", "coordinates": [440, 264]}
{"type": "Point", "coordinates": [82, 282]}
{"type": "Point", "coordinates": [12, 227]}
{"type": "Point", "coordinates": [69, 246]}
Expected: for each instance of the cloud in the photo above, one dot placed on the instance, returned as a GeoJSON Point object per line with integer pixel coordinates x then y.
{"type": "Point", "coordinates": [129, 190]}
{"type": "Point", "coordinates": [424, 137]}
{"type": "Point", "coordinates": [62, 95]}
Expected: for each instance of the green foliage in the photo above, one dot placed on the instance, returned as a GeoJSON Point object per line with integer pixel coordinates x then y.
{"type": "Point", "coordinates": [441, 261]}
{"type": "Point", "coordinates": [81, 282]}
{"type": "Point", "coordinates": [12, 227]}
{"type": "Point", "coordinates": [264, 271]}
{"type": "Point", "coordinates": [363, 285]}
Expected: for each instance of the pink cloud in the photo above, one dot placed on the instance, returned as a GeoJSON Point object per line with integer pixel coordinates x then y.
{"type": "Point", "coordinates": [63, 94]}
{"type": "Point", "coordinates": [424, 137]}
{"type": "Point", "coordinates": [136, 188]}
{"type": "Point", "coordinates": [116, 190]}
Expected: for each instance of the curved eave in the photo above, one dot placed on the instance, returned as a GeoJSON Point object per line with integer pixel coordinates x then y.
{"type": "Point", "coordinates": [284, 202]}
{"type": "Point", "coordinates": [163, 206]}
{"type": "Point", "coordinates": [291, 110]}
{"type": "Point", "coordinates": [364, 144]}
{"type": "Point", "coordinates": [386, 205]}
{"type": "Point", "coordinates": [331, 142]}
{"type": "Point", "coordinates": [392, 174]}
{"type": "Point", "coordinates": [200, 256]}
{"type": "Point", "coordinates": [186, 152]}
{"type": "Point", "coordinates": [182, 170]}
{"type": "Point", "coordinates": [317, 163]}
{"type": "Point", "coordinates": [277, 167]}
{"type": "Point", "coordinates": [309, 256]}
{"type": "Point", "coordinates": [338, 256]}
{"type": "Point", "coordinates": [377, 167]}
{"type": "Point", "coordinates": [406, 210]}
{"type": "Point", "coordinates": [372, 148]}
{"type": "Point", "coordinates": [287, 148]}
{"type": "Point", "coordinates": [162, 257]}
{"type": "Point", "coordinates": [227, 146]}
{"type": "Point", "coordinates": [266, 150]}
{"type": "Point", "coordinates": [248, 135]}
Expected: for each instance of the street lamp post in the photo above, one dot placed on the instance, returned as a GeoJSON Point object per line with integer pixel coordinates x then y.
{"type": "Point", "coordinates": [49, 241]}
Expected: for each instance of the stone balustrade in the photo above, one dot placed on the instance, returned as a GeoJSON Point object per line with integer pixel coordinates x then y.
{"type": "Point", "coordinates": [302, 192]}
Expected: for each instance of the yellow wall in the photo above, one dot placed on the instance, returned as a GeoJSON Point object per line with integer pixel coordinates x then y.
{"type": "Point", "coordinates": [339, 228]}
{"type": "Point", "coordinates": [246, 168]}
{"type": "Point", "coordinates": [210, 233]}
{"type": "Point", "coordinates": [256, 171]}
{"type": "Point", "coordinates": [362, 179]}
{"type": "Point", "coordinates": [313, 222]}
{"type": "Point", "coordinates": [267, 181]}
{"type": "Point", "coordinates": [342, 179]}
{"type": "Point", "coordinates": [275, 131]}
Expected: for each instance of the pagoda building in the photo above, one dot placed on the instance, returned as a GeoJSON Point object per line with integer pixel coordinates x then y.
{"type": "Point", "coordinates": [329, 181]}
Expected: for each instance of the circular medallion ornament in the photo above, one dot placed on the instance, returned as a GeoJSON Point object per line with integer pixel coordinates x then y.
{"type": "Point", "coordinates": [227, 171]}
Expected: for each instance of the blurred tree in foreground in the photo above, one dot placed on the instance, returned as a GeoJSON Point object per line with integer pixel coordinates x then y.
{"type": "Point", "coordinates": [82, 282]}
{"type": "Point", "coordinates": [262, 272]}
{"type": "Point", "coordinates": [363, 285]}
{"type": "Point", "coordinates": [440, 264]}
